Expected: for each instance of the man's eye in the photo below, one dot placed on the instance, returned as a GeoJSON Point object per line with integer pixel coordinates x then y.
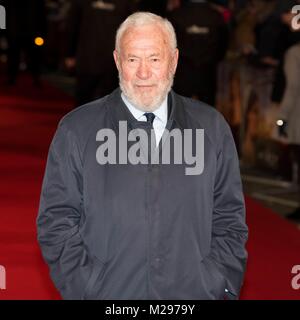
{"type": "Point", "coordinates": [155, 60]}
{"type": "Point", "coordinates": [131, 60]}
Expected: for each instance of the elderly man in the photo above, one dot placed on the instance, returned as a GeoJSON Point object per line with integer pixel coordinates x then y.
{"type": "Point", "coordinates": [114, 225]}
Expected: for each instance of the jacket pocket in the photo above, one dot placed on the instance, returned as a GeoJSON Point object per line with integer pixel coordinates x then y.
{"type": "Point", "coordinates": [96, 277]}
{"type": "Point", "coordinates": [215, 281]}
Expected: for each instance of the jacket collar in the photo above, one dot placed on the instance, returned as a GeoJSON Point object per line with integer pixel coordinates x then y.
{"type": "Point", "coordinates": [119, 112]}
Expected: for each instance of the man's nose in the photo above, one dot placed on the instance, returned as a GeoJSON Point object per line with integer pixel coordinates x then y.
{"type": "Point", "coordinates": [143, 71]}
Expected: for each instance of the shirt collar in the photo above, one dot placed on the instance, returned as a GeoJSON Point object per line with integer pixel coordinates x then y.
{"type": "Point", "coordinates": [118, 111]}
{"type": "Point", "coordinates": [161, 113]}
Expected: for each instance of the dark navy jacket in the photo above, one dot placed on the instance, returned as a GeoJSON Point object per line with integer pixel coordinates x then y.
{"type": "Point", "coordinates": [142, 231]}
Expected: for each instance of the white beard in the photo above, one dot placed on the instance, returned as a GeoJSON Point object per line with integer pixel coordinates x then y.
{"type": "Point", "coordinates": [144, 101]}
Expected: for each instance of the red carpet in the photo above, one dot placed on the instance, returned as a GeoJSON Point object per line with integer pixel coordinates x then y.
{"type": "Point", "coordinates": [273, 248]}
{"type": "Point", "coordinates": [28, 118]}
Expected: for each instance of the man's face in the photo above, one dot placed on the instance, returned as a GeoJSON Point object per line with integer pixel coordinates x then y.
{"type": "Point", "coordinates": [146, 66]}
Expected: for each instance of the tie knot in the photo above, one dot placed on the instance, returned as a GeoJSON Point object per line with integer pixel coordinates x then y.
{"type": "Point", "coordinates": [150, 117]}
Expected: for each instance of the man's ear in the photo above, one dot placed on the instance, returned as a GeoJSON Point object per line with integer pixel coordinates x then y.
{"type": "Point", "coordinates": [117, 60]}
{"type": "Point", "coordinates": [175, 60]}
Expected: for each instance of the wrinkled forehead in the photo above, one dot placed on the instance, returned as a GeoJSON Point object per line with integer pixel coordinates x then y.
{"type": "Point", "coordinates": [145, 37]}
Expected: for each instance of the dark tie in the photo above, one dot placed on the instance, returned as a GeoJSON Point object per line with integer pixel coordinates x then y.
{"type": "Point", "coordinates": [150, 117]}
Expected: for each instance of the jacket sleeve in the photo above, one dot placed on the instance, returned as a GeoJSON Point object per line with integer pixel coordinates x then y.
{"type": "Point", "coordinates": [60, 213]}
{"type": "Point", "coordinates": [229, 231]}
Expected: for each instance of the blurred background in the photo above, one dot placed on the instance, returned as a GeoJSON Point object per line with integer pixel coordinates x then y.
{"type": "Point", "coordinates": [240, 56]}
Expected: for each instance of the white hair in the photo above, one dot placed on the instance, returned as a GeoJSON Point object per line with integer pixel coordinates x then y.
{"type": "Point", "coordinates": [139, 19]}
